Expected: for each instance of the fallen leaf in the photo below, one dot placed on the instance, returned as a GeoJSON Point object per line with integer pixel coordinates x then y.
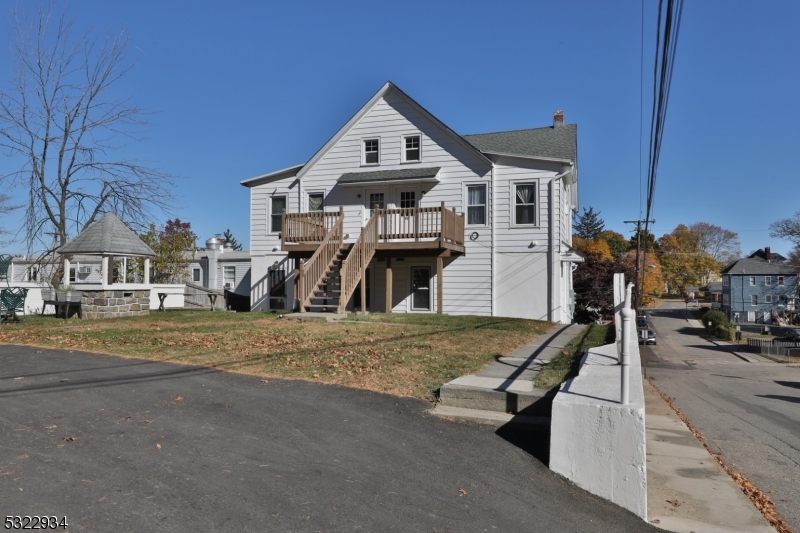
{"type": "Point", "coordinates": [51, 427]}
{"type": "Point", "coordinates": [675, 503]}
{"type": "Point", "coordinates": [656, 521]}
{"type": "Point", "coordinates": [63, 380]}
{"type": "Point", "coordinates": [178, 398]}
{"type": "Point", "coordinates": [69, 439]}
{"type": "Point", "coordinates": [147, 421]}
{"type": "Point", "coordinates": [158, 446]}
{"type": "Point", "coordinates": [463, 492]}
{"type": "Point", "coordinates": [264, 381]}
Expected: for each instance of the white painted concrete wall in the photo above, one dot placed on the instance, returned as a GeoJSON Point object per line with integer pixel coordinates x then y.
{"type": "Point", "coordinates": [596, 442]}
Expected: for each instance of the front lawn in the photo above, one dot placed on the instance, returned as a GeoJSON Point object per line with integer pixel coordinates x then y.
{"type": "Point", "coordinates": [405, 354]}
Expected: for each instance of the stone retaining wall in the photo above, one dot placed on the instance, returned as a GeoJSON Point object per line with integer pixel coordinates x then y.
{"type": "Point", "coordinates": [112, 303]}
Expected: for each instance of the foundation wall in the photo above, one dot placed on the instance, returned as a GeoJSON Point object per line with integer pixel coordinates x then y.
{"type": "Point", "coordinates": [114, 303]}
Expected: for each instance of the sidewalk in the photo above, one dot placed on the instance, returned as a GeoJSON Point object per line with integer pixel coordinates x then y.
{"type": "Point", "coordinates": [687, 491]}
{"type": "Point", "coordinates": [503, 390]}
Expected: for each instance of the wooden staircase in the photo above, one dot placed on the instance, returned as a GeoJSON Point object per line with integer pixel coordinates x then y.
{"type": "Point", "coordinates": [325, 297]}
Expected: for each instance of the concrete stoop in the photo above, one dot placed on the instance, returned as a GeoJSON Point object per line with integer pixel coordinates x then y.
{"type": "Point", "coordinates": [498, 395]}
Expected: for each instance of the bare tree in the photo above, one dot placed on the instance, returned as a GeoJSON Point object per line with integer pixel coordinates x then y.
{"type": "Point", "coordinates": [787, 228]}
{"type": "Point", "coordinates": [61, 121]}
{"type": "Point", "coordinates": [720, 243]}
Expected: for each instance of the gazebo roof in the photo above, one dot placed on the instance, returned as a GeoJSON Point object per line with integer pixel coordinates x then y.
{"type": "Point", "coordinates": [107, 236]}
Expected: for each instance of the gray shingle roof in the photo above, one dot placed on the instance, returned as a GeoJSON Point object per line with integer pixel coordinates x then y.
{"type": "Point", "coordinates": [758, 267]}
{"type": "Point", "coordinates": [559, 142]}
{"type": "Point", "coordinates": [109, 235]}
{"type": "Point", "coordinates": [389, 175]}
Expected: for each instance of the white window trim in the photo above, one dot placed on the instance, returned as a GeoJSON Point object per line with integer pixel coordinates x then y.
{"type": "Point", "coordinates": [768, 281]}
{"type": "Point", "coordinates": [364, 153]}
{"type": "Point", "coordinates": [233, 282]}
{"type": "Point", "coordinates": [432, 288]}
{"type": "Point", "coordinates": [269, 216]}
{"type": "Point", "coordinates": [465, 203]}
{"type": "Point", "coordinates": [403, 159]}
{"type": "Point", "coordinates": [767, 298]}
{"type": "Point", "coordinates": [513, 204]}
{"type": "Point", "coordinates": [781, 281]}
{"type": "Point", "coordinates": [753, 281]}
{"type": "Point", "coordinates": [316, 191]}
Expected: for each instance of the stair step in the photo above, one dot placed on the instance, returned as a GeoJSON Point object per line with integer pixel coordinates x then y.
{"type": "Point", "coordinates": [323, 308]}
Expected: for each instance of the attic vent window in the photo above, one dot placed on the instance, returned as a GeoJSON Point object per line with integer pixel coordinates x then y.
{"type": "Point", "coordinates": [371, 149]}
{"type": "Point", "coordinates": [411, 152]}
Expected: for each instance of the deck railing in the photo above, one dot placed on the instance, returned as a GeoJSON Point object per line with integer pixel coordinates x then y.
{"type": "Point", "coordinates": [307, 227]}
{"type": "Point", "coordinates": [310, 273]}
{"type": "Point", "coordinates": [355, 264]}
{"type": "Point", "coordinates": [415, 224]}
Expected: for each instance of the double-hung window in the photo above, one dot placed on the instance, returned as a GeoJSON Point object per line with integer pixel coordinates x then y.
{"type": "Point", "coordinates": [476, 205]}
{"type": "Point", "coordinates": [754, 299]}
{"type": "Point", "coordinates": [229, 276]}
{"type": "Point", "coordinates": [315, 201]}
{"type": "Point", "coordinates": [767, 298]}
{"type": "Point", "coordinates": [196, 275]}
{"type": "Point", "coordinates": [411, 149]}
{"type": "Point", "coordinates": [781, 281]}
{"type": "Point", "coordinates": [752, 281]}
{"type": "Point", "coordinates": [277, 205]}
{"type": "Point", "coordinates": [524, 204]}
{"type": "Point", "coordinates": [371, 152]}
{"type": "Point", "coordinates": [768, 280]}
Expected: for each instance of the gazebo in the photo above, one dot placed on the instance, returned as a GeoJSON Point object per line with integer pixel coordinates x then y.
{"type": "Point", "coordinates": [110, 238]}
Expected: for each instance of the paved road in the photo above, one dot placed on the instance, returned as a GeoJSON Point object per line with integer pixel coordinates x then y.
{"type": "Point", "coordinates": [127, 445]}
{"type": "Point", "coordinates": [750, 412]}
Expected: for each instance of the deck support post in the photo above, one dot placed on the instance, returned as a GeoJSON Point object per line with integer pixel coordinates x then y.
{"type": "Point", "coordinates": [299, 286]}
{"type": "Point", "coordinates": [388, 284]}
{"type": "Point", "coordinates": [363, 291]}
{"type": "Point", "coordinates": [439, 284]}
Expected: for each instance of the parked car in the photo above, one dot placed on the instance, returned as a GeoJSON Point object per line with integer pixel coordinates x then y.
{"type": "Point", "coordinates": [792, 335]}
{"type": "Point", "coordinates": [641, 323]}
{"type": "Point", "coordinates": [649, 339]}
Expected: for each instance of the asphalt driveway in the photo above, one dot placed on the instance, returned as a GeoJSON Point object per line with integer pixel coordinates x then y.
{"type": "Point", "coordinates": [128, 445]}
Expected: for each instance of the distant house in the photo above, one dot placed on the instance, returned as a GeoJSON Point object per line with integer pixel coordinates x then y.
{"type": "Point", "coordinates": [754, 287]}
{"type": "Point", "coordinates": [222, 268]}
{"type": "Point", "coordinates": [399, 213]}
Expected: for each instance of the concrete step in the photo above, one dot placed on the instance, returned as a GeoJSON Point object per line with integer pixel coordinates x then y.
{"type": "Point", "coordinates": [329, 317]}
{"type": "Point", "coordinates": [493, 418]}
{"type": "Point", "coordinates": [498, 395]}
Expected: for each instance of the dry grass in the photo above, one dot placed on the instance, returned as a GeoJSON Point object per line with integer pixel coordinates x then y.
{"type": "Point", "coordinates": [409, 355]}
{"type": "Point", "coordinates": [566, 364]}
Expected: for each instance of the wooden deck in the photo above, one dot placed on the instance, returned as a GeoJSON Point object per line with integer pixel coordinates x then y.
{"type": "Point", "coordinates": [411, 231]}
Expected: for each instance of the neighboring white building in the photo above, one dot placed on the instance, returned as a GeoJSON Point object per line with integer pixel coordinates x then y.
{"type": "Point", "coordinates": [220, 267]}
{"type": "Point", "coordinates": [474, 224]}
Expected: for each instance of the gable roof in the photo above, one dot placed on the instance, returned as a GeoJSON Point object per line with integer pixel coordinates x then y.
{"type": "Point", "coordinates": [415, 174]}
{"type": "Point", "coordinates": [272, 176]}
{"type": "Point", "coordinates": [559, 142]}
{"type": "Point", "coordinates": [107, 236]}
{"type": "Point", "coordinates": [386, 89]}
{"type": "Point", "coordinates": [755, 267]}
{"type": "Point", "coordinates": [761, 254]}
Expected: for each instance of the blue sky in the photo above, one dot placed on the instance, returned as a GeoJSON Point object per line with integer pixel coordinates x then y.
{"type": "Point", "coordinates": [245, 88]}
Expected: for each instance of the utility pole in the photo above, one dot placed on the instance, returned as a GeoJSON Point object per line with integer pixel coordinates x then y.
{"type": "Point", "coordinates": [639, 269]}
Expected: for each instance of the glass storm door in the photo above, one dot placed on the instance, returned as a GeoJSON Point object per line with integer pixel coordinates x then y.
{"type": "Point", "coordinates": [421, 288]}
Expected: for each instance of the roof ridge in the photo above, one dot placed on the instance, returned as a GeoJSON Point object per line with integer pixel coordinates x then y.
{"type": "Point", "coordinates": [518, 130]}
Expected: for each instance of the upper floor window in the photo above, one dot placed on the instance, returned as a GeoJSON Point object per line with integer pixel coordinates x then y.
{"type": "Point", "coordinates": [754, 299]}
{"type": "Point", "coordinates": [371, 152]}
{"type": "Point", "coordinates": [752, 281]}
{"type": "Point", "coordinates": [476, 205]}
{"type": "Point", "coordinates": [767, 298]}
{"type": "Point", "coordinates": [411, 150]}
{"type": "Point", "coordinates": [767, 280]}
{"type": "Point", "coordinates": [726, 280]}
{"type": "Point", "coordinates": [72, 274]}
{"type": "Point", "coordinates": [781, 281]}
{"type": "Point", "coordinates": [524, 204]}
{"type": "Point", "coordinates": [315, 201]}
{"type": "Point", "coordinates": [277, 205]}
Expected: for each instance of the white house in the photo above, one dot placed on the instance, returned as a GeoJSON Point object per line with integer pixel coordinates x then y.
{"type": "Point", "coordinates": [220, 267]}
{"type": "Point", "coordinates": [430, 220]}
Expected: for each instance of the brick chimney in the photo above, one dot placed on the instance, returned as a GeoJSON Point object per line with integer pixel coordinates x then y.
{"type": "Point", "coordinates": [767, 254]}
{"type": "Point", "coordinates": [558, 119]}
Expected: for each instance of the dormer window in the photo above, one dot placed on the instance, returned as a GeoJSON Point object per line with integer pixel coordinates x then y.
{"type": "Point", "coordinates": [372, 151]}
{"type": "Point", "coordinates": [411, 148]}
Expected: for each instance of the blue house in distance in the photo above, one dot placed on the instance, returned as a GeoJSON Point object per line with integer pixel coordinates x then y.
{"type": "Point", "coordinates": [754, 287]}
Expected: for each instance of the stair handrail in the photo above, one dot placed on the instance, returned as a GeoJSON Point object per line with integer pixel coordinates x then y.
{"type": "Point", "coordinates": [357, 260]}
{"type": "Point", "coordinates": [310, 273]}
